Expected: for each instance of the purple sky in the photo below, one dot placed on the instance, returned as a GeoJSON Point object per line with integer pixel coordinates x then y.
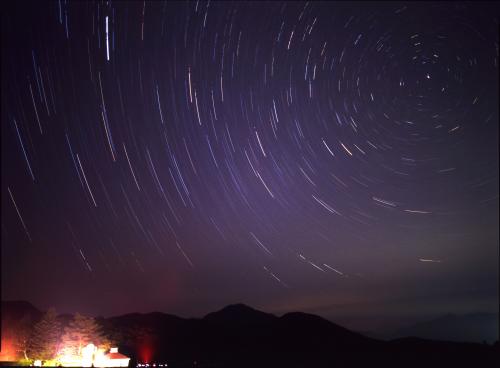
{"type": "Point", "coordinates": [335, 158]}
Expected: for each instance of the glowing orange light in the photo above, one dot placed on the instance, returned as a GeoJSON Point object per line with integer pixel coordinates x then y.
{"type": "Point", "coordinates": [8, 352]}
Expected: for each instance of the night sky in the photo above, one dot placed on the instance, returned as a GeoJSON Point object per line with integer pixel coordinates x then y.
{"type": "Point", "coordinates": [334, 158]}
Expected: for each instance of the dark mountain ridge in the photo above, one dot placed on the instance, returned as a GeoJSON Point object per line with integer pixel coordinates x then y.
{"type": "Point", "coordinates": [474, 327]}
{"type": "Point", "coordinates": [239, 314]}
{"type": "Point", "coordinates": [240, 336]}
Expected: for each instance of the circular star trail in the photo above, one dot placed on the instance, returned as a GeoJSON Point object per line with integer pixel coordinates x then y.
{"type": "Point", "coordinates": [291, 155]}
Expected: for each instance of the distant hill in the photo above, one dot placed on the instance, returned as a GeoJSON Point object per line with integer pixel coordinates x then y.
{"type": "Point", "coordinates": [237, 333]}
{"type": "Point", "coordinates": [239, 314]}
{"type": "Point", "coordinates": [476, 327]}
{"type": "Point", "coordinates": [240, 336]}
{"type": "Point", "coordinates": [15, 311]}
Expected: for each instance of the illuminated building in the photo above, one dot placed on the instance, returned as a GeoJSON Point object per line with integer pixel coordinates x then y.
{"type": "Point", "coordinates": [114, 359]}
{"type": "Point", "coordinates": [94, 357]}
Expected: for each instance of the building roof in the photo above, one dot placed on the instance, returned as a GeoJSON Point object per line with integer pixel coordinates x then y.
{"type": "Point", "coordinates": [116, 356]}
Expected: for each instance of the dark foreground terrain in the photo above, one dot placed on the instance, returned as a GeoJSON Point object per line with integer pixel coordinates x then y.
{"type": "Point", "coordinates": [239, 336]}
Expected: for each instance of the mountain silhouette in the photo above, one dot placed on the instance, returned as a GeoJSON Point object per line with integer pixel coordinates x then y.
{"type": "Point", "coordinates": [239, 314]}
{"type": "Point", "coordinates": [15, 311]}
{"type": "Point", "coordinates": [240, 336]}
{"type": "Point", "coordinates": [476, 327]}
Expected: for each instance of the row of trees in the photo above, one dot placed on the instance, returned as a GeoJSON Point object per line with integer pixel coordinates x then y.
{"type": "Point", "coordinates": [49, 338]}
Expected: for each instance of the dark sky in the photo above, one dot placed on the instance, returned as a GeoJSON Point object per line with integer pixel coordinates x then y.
{"type": "Point", "coordinates": [335, 158]}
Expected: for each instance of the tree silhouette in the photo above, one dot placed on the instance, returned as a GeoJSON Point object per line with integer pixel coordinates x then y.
{"type": "Point", "coordinates": [45, 338]}
{"type": "Point", "coordinates": [80, 332]}
{"type": "Point", "coordinates": [23, 334]}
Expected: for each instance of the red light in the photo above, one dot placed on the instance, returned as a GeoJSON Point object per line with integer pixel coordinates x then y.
{"type": "Point", "coordinates": [145, 353]}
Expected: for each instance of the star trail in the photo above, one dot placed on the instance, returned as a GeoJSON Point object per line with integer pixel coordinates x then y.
{"type": "Point", "coordinates": [335, 157]}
